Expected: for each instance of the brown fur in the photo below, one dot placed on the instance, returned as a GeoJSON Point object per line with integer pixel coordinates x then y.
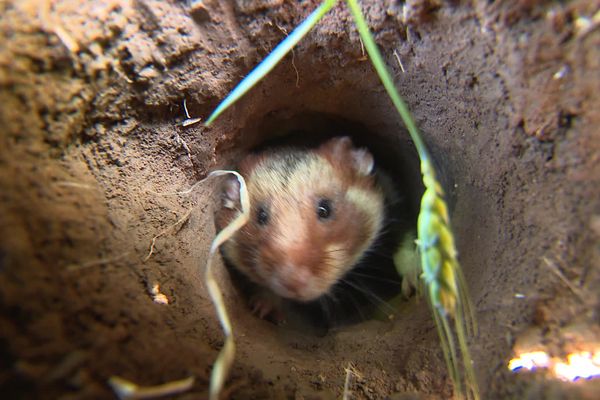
{"type": "Point", "coordinates": [296, 254]}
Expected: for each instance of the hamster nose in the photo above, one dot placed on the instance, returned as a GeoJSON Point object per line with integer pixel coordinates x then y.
{"type": "Point", "coordinates": [294, 278]}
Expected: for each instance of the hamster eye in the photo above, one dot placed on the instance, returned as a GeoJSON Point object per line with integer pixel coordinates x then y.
{"type": "Point", "coordinates": [324, 209]}
{"type": "Point", "coordinates": [262, 216]}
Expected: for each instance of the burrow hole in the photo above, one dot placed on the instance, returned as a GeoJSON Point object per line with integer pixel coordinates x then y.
{"type": "Point", "coordinates": [375, 288]}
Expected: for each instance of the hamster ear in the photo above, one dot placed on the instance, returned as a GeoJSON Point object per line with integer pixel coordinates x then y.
{"type": "Point", "coordinates": [343, 151]}
{"type": "Point", "coordinates": [363, 161]}
{"type": "Point", "coordinates": [231, 192]}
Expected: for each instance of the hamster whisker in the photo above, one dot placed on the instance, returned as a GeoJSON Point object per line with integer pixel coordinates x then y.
{"type": "Point", "coordinates": [392, 218]}
{"type": "Point", "coordinates": [373, 298]}
{"type": "Point", "coordinates": [394, 202]}
{"type": "Point", "coordinates": [375, 277]}
{"type": "Point", "coordinates": [357, 306]}
{"type": "Point", "coordinates": [331, 296]}
{"type": "Point", "coordinates": [326, 307]}
{"type": "Point", "coordinates": [333, 307]}
{"type": "Point", "coordinates": [376, 252]}
{"type": "Point", "coordinates": [385, 230]}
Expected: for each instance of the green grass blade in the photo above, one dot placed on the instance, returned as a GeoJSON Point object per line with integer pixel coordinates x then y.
{"type": "Point", "coordinates": [272, 59]}
{"type": "Point", "coordinates": [472, 388]}
{"type": "Point", "coordinates": [432, 237]}
{"type": "Point", "coordinates": [386, 79]}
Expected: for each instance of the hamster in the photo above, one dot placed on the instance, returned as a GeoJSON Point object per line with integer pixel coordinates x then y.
{"type": "Point", "coordinates": [315, 215]}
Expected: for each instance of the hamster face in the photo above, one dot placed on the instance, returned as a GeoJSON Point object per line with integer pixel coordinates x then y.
{"type": "Point", "coordinates": [314, 213]}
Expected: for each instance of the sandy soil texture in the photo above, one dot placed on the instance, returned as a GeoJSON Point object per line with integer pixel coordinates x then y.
{"type": "Point", "coordinates": [505, 93]}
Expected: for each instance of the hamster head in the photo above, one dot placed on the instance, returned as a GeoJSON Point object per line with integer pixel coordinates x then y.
{"type": "Point", "coordinates": [314, 213]}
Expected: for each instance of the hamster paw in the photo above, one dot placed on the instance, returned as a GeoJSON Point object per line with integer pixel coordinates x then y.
{"type": "Point", "coordinates": [268, 306]}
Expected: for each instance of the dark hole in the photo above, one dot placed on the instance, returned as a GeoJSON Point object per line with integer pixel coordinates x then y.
{"type": "Point", "coordinates": [374, 281]}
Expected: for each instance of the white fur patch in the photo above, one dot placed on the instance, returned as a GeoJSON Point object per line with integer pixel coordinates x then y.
{"type": "Point", "coordinates": [371, 204]}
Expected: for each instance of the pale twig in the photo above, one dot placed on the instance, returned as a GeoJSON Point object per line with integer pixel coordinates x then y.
{"type": "Point", "coordinates": [225, 358]}
{"type": "Point", "coordinates": [187, 113]}
{"type": "Point", "coordinates": [126, 390]}
{"type": "Point", "coordinates": [188, 121]}
{"type": "Point", "coordinates": [362, 51]}
{"type": "Point", "coordinates": [346, 394]}
{"type": "Point", "coordinates": [554, 268]}
{"type": "Point", "coordinates": [350, 370]}
{"type": "Point", "coordinates": [165, 231]}
{"type": "Point", "coordinates": [399, 61]}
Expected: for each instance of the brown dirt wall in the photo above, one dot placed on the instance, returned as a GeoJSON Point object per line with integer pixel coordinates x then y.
{"type": "Point", "coordinates": [91, 94]}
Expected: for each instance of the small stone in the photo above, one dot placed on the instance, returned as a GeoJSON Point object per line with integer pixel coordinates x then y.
{"type": "Point", "coordinates": [199, 11]}
{"type": "Point", "coordinates": [148, 73]}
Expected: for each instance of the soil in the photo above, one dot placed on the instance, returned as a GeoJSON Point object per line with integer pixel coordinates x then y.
{"type": "Point", "coordinates": [506, 95]}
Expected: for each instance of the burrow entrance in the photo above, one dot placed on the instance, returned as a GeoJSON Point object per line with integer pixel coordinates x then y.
{"type": "Point", "coordinates": [331, 102]}
{"type": "Point", "coordinates": [366, 291]}
{"type": "Point", "coordinates": [315, 112]}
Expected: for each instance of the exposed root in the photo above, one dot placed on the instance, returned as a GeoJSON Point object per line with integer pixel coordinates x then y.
{"type": "Point", "coordinates": [165, 231]}
{"type": "Point", "coordinates": [95, 263]}
{"type": "Point", "coordinates": [282, 29]}
{"type": "Point", "coordinates": [554, 268]}
{"type": "Point", "coordinates": [182, 193]}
